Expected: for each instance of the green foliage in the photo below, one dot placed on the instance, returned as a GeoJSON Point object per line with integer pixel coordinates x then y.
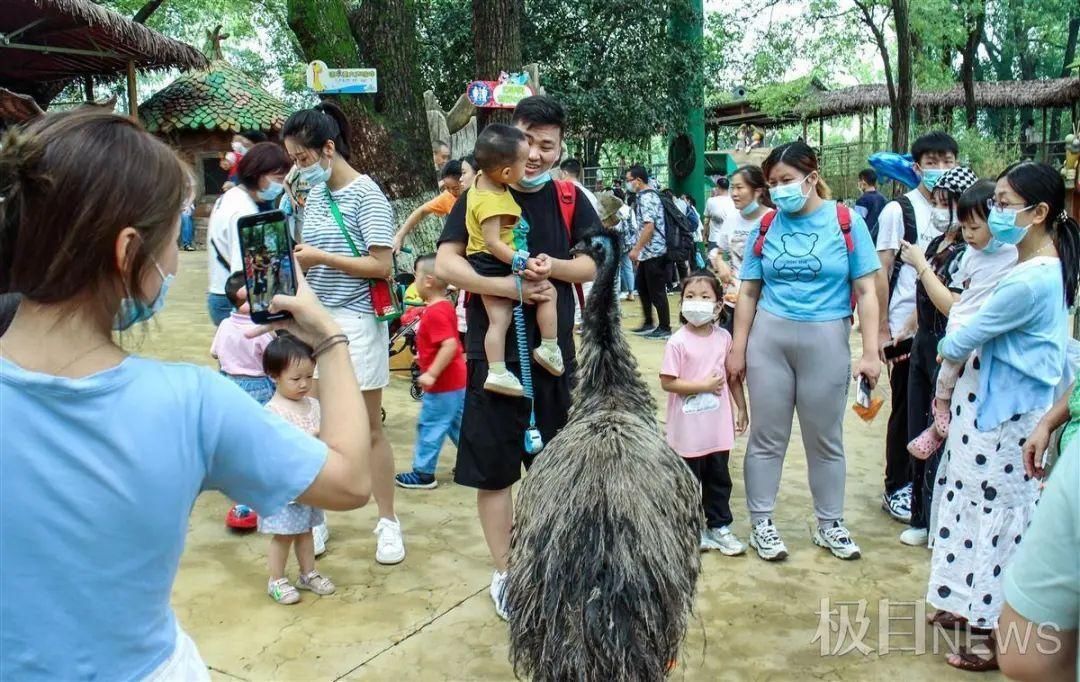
{"type": "Point", "coordinates": [984, 154]}
{"type": "Point", "coordinates": [444, 30]}
{"type": "Point", "coordinates": [778, 98]}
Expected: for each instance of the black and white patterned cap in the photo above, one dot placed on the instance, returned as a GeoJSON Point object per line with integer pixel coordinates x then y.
{"type": "Point", "coordinates": [956, 180]}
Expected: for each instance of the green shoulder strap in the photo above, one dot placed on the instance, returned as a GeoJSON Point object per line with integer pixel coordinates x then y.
{"type": "Point", "coordinates": [341, 223]}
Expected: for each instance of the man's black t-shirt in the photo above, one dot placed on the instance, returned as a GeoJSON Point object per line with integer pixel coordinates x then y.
{"type": "Point", "coordinates": [547, 234]}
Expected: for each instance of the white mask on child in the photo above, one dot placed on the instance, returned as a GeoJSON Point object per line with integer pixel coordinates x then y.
{"type": "Point", "coordinates": [699, 313]}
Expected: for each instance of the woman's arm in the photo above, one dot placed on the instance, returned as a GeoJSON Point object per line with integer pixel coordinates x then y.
{"type": "Point", "coordinates": [1011, 305]}
{"type": "Point", "coordinates": [745, 310]}
{"type": "Point", "coordinates": [378, 264]}
{"type": "Point", "coordinates": [742, 420]}
{"type": "Point", "coordinates": [1039, 440]}
{"type": "Point", "coordinates": [869, 365]}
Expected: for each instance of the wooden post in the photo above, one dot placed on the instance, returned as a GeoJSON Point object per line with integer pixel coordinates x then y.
{"type": "Point", "coordinates": [875, 128]}
{"type": "Point", "coordinates": [1045, 139]}
{"type": "Point", "coordinates": [860, 132]}
{"type": "Point", "coordinates": [133, 100]}
{"type": "Point", "coordinates": [88, 88]}
{"type": "Point", "coordinates": [804, 132]}
{"type": "Point", "coordinates": [821, 133]}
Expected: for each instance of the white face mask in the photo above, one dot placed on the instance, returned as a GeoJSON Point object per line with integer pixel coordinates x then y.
{"type": "Point", "coordinates": [239, 148]}
{"type": "Point", "coordinates": [699, 313]}
{"type": "Point", "coordinates": [940, 218]}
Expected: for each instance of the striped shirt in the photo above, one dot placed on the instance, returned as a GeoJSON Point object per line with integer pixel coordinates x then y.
{"type": "Point", "coordinates": [370, 222]}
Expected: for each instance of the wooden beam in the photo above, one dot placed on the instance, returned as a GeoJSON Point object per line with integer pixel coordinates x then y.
{"type": "Point", "coordinates": [59, 50]}
{"type": "Point", "coordinates": [133, 100]}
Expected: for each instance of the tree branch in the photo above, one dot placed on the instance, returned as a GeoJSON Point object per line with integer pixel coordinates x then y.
{"type": "Point", "coordinates": [146, 10]}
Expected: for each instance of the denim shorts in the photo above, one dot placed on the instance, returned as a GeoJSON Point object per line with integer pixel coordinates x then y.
{"type": "Point", "coordinates": [259, 388]}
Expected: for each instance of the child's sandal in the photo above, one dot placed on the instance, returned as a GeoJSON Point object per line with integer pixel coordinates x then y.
{"type": "Point", "coordinates": [941, 417]}
{"type": "Point", "coordinates": [925, 444]}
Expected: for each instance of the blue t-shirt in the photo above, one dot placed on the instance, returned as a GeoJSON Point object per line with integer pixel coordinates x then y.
{"type": "Point", "coordinates": [98, 476]}
{"type": "Point", "coordinates": [806, 267]}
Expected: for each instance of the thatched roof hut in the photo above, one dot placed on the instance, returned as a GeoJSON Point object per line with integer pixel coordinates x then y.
{"type": "Point", "coordinates": [48, 43]}
{"type": "Point", "coordinates": [1038, 94]}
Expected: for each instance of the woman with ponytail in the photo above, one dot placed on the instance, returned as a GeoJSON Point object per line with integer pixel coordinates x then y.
{"type": "Point", "coordinates": [1014, 350]}
{"type": "Point", "coordinates": [792, 325]}
{"type": "Point", "coordinates": [347, 240]}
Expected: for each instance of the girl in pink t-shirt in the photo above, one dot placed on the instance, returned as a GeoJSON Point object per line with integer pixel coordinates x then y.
{"type": "Point", "coordinates": [700, 426]}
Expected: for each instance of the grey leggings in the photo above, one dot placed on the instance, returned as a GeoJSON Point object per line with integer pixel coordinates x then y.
{"type": "Point", "coordinates": [804, 367]}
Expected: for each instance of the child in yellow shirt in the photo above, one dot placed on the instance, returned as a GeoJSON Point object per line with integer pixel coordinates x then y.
{"type": "Point", "coordinates": [497, 247]}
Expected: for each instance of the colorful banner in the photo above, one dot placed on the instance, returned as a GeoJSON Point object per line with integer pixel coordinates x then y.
{"type": "Point", "coordinates": [326, 81]}
{"type": "Point", "coordinates": [504, 93]}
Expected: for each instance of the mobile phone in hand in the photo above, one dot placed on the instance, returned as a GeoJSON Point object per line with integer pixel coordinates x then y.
{"type": "Point", "coordinates": [267, 249]}
{"type": "Point", "coordinates": [862, 396]}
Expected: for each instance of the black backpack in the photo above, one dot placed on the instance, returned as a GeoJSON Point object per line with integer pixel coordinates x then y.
{"type": "Point", "coordinates": [678, 232]}
{"type": "Point", "coordinates": [911, 236]}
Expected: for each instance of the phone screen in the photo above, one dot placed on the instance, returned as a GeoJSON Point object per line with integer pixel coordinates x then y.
{"type": "Point", "coordinates": [268, 264]}
{"type": "Point", "coordinates": [862, 398]}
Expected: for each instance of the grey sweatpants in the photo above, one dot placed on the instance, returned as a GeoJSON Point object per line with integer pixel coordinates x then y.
{"type": "Point", "coordinates": [802, 367]}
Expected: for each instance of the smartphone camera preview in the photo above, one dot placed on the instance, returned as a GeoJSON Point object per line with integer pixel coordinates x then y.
{"type": "Point", "coordinates": [268, 265]}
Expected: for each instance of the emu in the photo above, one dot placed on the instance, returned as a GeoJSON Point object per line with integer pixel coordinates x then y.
{"type": "Point", "coordinates": [604, 553]}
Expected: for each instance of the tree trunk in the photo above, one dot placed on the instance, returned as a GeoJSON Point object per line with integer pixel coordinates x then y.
{"type": "Point", "coordinates": [1070, 57]}
{"type": "Point", "coordinates": [904, 75]}
{"type": "Point", "coordinates": [496, 46]}
{"type": "Point", "coordinates": [146, 10]}
{"type": "Point", "coordinates": [976, 24]}
{"type": "Point", "coordinates": [389, 137]}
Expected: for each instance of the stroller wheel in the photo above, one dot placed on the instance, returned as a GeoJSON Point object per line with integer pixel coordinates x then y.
{"type": "Point", "coordinates": [416, 391]}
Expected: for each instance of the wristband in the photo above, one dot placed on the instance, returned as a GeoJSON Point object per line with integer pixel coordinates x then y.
{"type": "Point", "coordinates": [329, 343]}
{"type": "Point", "coordinates": [519, 262]}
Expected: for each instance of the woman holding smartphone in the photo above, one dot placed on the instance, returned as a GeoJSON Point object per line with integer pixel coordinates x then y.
{"type": "Point", "coordinates": [792, 324]}
{"type": "Point", "coordinates": [347, 241]}
{"type": "Point", "coordinates": [102, 435]}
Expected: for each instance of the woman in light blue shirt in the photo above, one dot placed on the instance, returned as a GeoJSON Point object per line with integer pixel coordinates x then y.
{"type": "Point", "coordinates": [104, 453]}
{"type": "Point", "coordinates": [1014, 350]}
{"type": "Point", "coordinates": [792, 324]}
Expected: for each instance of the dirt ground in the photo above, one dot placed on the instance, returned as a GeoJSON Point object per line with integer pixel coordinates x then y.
{"type": "Point", "coordinates": [430, 618]}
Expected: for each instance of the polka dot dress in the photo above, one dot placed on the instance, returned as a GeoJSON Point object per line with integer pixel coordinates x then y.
{"type": "Point", "coordinates": [984, 503]}
{"type": "Point", "coordinates": [295, 518]}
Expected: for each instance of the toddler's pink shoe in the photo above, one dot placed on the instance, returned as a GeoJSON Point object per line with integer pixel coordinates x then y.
{"type": "Point", "coordinates": [926, 443]}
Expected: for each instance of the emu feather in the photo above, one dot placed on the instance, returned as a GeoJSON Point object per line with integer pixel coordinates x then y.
{"type": "Point", "coordinates": [604, 554]}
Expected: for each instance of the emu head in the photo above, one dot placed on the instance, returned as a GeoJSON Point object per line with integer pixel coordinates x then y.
{"type": "Point", "coordinates": [602, 247]}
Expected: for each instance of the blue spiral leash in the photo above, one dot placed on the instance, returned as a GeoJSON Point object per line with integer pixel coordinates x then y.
{"type": "Point", "coordinates": [534, 442]}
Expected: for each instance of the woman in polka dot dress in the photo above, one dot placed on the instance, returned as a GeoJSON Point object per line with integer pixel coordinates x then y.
{"type": "Point", "coordinates": [1014, 349]}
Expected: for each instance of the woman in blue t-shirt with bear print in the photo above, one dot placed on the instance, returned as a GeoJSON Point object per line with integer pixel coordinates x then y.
{"type": "Point", "coordinates": [792, 324]}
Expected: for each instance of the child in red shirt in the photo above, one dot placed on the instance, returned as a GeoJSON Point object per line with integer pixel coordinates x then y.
{"type": "Point", "coordinates": [442, 362]}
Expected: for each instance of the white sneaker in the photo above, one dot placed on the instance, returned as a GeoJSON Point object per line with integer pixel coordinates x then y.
{"type": "Point", "coordinates": [389, 545]}
{"type": "Point", "coordinates": [898, 504]}
{"type": "Point", "coordinates": [498, 593]}
{"type": "Point", "coordinates": [321, 534]}
{"type": "Point", "coordinates": [723, 540]}
{"type": "Point", "coordinates": [504, 384]}
{"type": "Point", "coordinates": [550, 359]}
{"type": "Point", "coordinates": [837, 540]}
{"type": "Point", "coordinates": [915, 537]}
{"type": "Point", "coordinates": [766, 540]}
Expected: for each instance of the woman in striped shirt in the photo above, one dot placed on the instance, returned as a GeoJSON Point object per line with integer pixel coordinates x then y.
{"type": "Point", "coordinates": [348, 234]}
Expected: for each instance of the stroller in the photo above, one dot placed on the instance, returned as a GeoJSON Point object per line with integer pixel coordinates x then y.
{"type": "Point", "coordinates": [403, 332]}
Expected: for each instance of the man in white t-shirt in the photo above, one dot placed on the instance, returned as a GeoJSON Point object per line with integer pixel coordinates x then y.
{"type": "Point", "coordinates": [718, 209]}
{"type": "Point", "coordinates": [905, 219]}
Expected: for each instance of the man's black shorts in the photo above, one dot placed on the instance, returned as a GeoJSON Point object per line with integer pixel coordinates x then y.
{"type": "Point", "coordinates": [491, 448]}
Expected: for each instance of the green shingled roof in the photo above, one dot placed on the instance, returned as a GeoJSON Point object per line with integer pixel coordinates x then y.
{"type": "Point", "coordinates": [219, 97]}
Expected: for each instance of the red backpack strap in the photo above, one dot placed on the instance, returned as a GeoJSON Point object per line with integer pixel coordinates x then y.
{"type": "Point", "coordinates": [766, 223]}
{"type": "Point", "coordinates": [567, 195]}
{"type": "Point", "coordinates": [843, 216]}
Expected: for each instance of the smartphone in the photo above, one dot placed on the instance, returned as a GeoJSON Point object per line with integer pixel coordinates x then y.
{"type": "Point", "coordinates": [267, 249]}
{"type": "Point", "coordinates": [898, 349]}
{"type": "Point", "coordinates": [862, 396]}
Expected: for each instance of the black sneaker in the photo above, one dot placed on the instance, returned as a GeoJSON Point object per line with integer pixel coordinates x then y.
{"type": "Point", "coordinates": [643, 329]}
{"type": "Point", "coordinates": [659, 334]}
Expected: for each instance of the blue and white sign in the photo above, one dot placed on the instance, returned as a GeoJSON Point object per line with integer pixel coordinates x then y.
{"type": "Point", "coordinates": [326, 81]}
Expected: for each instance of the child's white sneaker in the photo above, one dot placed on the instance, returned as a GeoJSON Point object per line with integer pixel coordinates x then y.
{"type": "Point", "coordinates": [550, 358]}
{"type": "Point", "coordinates": [282, 592]}
{"type": "Point", "coordinates": [389, 542]}
{"type": "Point", "coordinates": [316, 582]}
{"type": "Point", "coordinates": [504, 384]}
{"type": "Point", "coordinates": [722, 540]}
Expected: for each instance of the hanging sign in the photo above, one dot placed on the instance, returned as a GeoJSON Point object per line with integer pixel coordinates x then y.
{"type": "Point", "coordinates": [326, 81]}
{"type": "Point", "coordinates": [504, 93]}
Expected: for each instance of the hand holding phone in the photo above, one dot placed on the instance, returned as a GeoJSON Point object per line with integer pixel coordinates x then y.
{"type": "Point", "coordinates": [268, 264]}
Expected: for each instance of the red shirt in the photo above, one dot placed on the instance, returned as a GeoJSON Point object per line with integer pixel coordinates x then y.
{"type": "Point", "coordinates": [439, 323]}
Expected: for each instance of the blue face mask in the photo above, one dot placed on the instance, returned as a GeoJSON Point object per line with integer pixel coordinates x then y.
{"type": "Point", "coordinates": [993, 246]}
{"type": "Point", "coordinates": [132, 310]}
{"type": "Point", "coordinates": [930, 176]}
{"type": "Point", "coordinates": [314, 174]}
{"type": "Point", "coordinates": [749, 209]}
{"type": "Point", "coordinates": [534, 182]}
{"type": "Point", "coordinates": [1003, 225]}
{"type": "Point", "coordinates": [789, 198]}
{"type": "Point", "coordinates": [272, 192]}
